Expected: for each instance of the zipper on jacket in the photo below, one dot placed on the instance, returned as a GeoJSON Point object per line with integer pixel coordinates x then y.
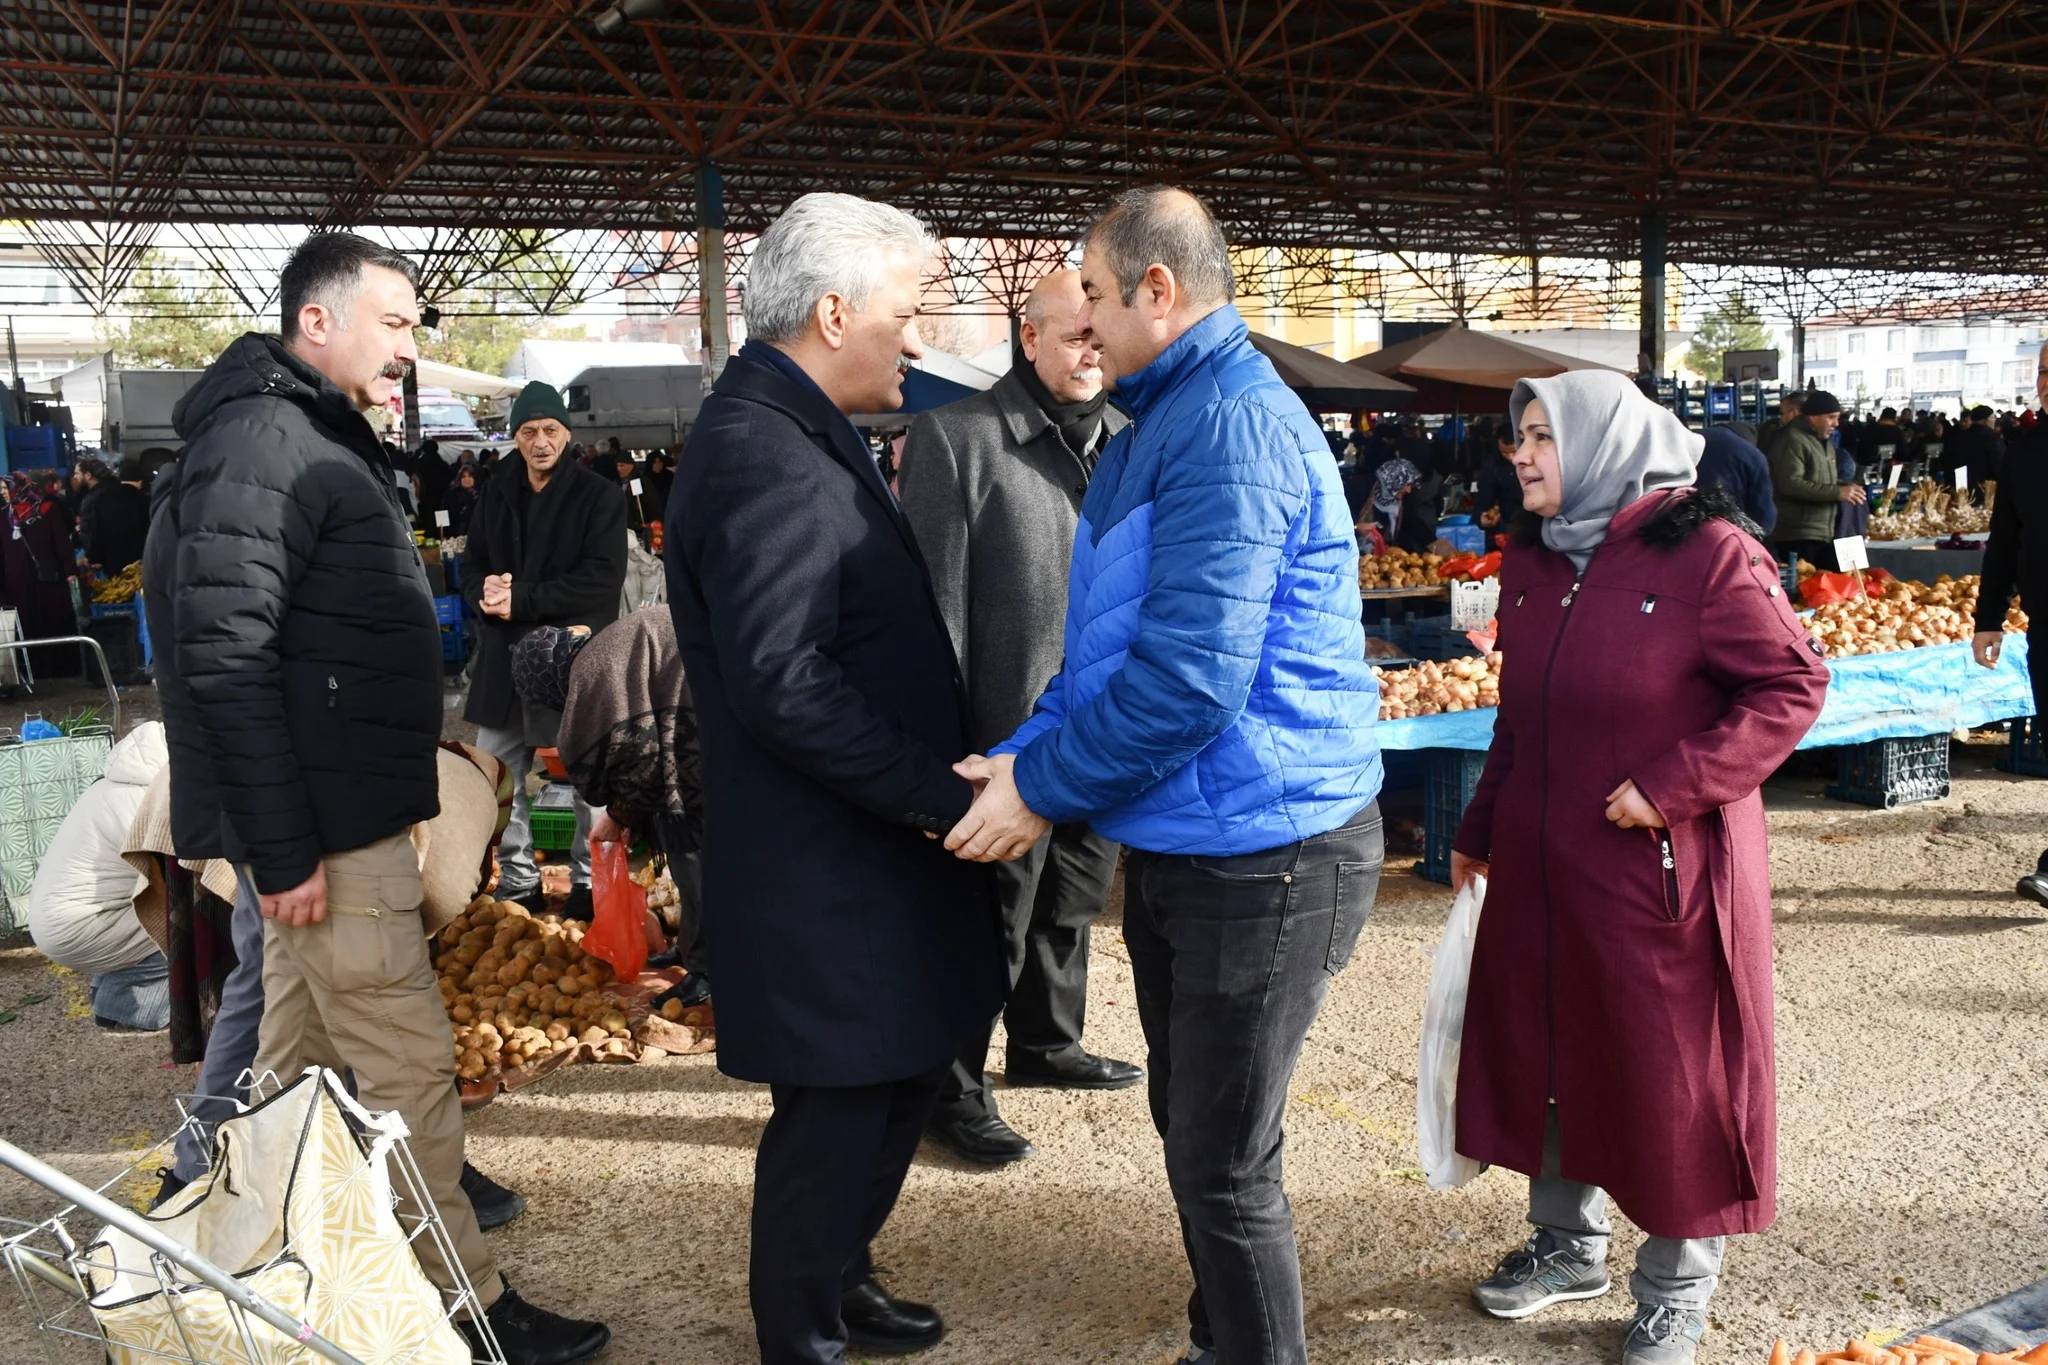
{"type": "Point", "coordinates": [1671, 897]}
{"type": "Point", "coordinates": [333, 691]}
{"type": "Point", "coordinates": [1543, 838]}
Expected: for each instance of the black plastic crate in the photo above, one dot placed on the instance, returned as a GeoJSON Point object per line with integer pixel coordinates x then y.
{"type": "Point", "coordinates": [2027, 754]}
{"type": "Point", "coordinates": [1447, 786]}
{"type": "Point", "coordinates": [120, 638]}
{"type": "Point", "coordinates": [1436, 638]}
{"type": "Point", "coordinates": [1892, 772]}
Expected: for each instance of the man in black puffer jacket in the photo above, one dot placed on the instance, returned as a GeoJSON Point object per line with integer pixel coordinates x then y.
{"type": "Point", "coordinates": [299, 670]}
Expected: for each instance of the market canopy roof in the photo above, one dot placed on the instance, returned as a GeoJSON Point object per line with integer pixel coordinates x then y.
{"type": "Point", "coordinates": [1327, 384]}
{"type": "Point", "coordinates": [1457, 369]}
{"type": "Point", "coordinates": [1888, 134]}
{"type": "Point", "coordinates": [432, 374]}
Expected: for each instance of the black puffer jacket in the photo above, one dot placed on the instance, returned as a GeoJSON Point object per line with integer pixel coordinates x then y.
{"type": "Point", "coordinates": [298, 661]}
{"type": "Point", "coordinates": [568, 567]}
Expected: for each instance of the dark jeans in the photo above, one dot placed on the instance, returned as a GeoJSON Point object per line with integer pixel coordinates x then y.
{"type": "Point", "coordinates": [1049, 897]}
{"type": "Point", "coordinates": [1232, 958]}
{"type": "Point", "coordinates": [830, 1164]}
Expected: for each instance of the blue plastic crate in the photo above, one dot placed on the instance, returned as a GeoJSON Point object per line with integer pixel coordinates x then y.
{"type": "Point", "coordinates": [448, 610]}
{"type": "Point", "coordinates": [1467, 540]}
{"type": "Point", "coordinates": [1447, 787]}
{"type": "Point", "coordinates": [1434, 637]}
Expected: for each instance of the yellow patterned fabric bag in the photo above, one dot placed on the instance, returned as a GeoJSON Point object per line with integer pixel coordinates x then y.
{"type": "Point", "coordinates": [297, 1207]}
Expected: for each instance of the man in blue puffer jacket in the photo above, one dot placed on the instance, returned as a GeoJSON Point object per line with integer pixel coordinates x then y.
{"type": "Point", "coordinates": [1214, 714]}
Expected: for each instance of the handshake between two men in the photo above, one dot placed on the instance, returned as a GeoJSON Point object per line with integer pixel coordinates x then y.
{"type": "Point", "coordinates": [998, 827]}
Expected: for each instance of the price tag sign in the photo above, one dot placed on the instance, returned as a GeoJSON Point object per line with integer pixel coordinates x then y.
{"type": "Point", "coordinates": [1962, 478]}
{"type": "Point", "coordinates": [441, 518]}
{"type": "Point", "coordinates": [1891, 480]}
{"type": "Point", "coordinates": [1852, 553]}
{"type": "Point", "coordinates": [635, 486]}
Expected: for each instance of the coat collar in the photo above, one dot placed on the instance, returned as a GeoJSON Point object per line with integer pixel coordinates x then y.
{"type": "Point", "coordinates": [1192, 348]}
{"type": "Point", "coordinates": [752, 381]}
{"type": "Point", "coordinates": [1025, 421]}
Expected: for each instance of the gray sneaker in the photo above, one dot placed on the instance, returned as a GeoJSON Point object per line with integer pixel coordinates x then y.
{"type": "Point", "coordinates": [1536, 1276]}
{"type": "Point", "coordinates": [1663, 1336]}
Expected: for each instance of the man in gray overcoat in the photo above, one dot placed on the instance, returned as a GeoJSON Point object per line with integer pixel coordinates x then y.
{"type": "Point", "coordinates": [992, 486]}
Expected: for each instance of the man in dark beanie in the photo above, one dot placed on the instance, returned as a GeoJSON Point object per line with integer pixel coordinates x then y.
{"type": "Point", "coordinates": [1806, 482]}
{"type": "Point", "coordinates": [992, 486]}
{"type": "Point", "coordinates": [547, 547]}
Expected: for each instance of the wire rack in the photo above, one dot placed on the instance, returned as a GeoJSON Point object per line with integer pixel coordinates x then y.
{"type": "Point", "coordinates": [81, 1269]}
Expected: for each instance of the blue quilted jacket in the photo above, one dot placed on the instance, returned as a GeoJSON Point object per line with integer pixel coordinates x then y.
{"type": "Point", "coordinates": [1215, 697]}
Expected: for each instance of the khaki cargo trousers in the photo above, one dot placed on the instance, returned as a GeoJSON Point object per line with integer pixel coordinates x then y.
{"type": "Point", "coordinates": [356, 991]}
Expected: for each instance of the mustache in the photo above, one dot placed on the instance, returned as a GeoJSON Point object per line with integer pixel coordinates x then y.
{"type": "Point", "coordinates": [397, 369]}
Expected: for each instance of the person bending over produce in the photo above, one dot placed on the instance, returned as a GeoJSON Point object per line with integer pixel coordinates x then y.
{"type": "Point", "coordinates": [1618, 1027]}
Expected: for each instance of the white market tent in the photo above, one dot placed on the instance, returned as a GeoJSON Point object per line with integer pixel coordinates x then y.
{"type": "Point", "coordinates": [559, 362]}
{"type": "Point", "coordinates": [432, 374]}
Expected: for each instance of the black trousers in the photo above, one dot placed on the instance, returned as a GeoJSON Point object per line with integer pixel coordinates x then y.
{"type": "Point", "coordinates": [1049, 899]}
{"type": "Point", "coordinates": [827, 1173]}
{"type": "Point", "coordinates": [680, 845]}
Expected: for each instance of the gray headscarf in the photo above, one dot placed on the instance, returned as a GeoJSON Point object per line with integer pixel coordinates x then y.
{"type": "Point", "coordinates": [1613, 446]}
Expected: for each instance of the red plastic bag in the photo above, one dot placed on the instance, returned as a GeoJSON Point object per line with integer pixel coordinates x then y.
{"type": "Point", "coordinates": [617, 930]}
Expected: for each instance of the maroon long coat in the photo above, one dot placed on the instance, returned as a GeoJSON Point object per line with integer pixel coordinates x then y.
{"type": "Point", "coordinates": [1635, 990]}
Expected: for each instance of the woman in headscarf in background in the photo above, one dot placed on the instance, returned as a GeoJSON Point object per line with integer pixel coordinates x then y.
{"type": "Point", "coordinates": [36, 566]}
{"type": "Point", "coordinates": [1618, 1026]}
{"type": "Point", "coordinates": [1398, 512]}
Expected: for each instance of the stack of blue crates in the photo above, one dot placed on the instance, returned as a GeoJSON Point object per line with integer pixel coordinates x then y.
{"type": "Point", "coordinates": [449, 613]}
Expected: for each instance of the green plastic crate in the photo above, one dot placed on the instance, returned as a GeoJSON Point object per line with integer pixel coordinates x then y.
{"type": "Point", "coordinates": [39, 783]}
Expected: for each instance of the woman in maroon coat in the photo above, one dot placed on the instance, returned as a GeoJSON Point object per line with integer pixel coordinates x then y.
{"type": "Point", "coordinates": [1618, 1028]}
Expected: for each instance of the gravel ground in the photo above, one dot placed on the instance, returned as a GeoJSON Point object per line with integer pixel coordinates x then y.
{"type": "Point", "coordinates": [1911, 994]}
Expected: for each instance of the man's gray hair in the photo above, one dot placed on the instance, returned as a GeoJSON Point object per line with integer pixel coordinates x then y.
{"type": "Point", "coordinates": [1159, 225]}
{"type": "Point", "coordinates": [824, 244]}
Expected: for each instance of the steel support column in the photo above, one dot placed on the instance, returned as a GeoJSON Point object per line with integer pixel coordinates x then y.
{"type": "Point", "coordinates": [711, 270]}
{"type": "Point", "coordinates": [1650, 347]}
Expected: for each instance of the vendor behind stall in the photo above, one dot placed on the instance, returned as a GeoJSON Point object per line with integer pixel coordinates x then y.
{"type": "Point", "coordinates": [1403, 513]}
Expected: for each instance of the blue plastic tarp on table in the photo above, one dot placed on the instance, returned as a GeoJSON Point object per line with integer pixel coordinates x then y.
{"type": "Point", "coordinates": [1926, 691]}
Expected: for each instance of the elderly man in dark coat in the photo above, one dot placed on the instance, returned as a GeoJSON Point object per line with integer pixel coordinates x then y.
{"type": "Point", "coordinates": [854, 954]}
{"type": "Point", "coordinates": [547, 547]}
{"type": "Point", "coordinates": [992, 486]}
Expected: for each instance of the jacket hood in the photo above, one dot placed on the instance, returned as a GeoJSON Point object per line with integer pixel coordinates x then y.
{"type": "Point", "coordinates": [137, 760]}
{"type": "Point", "coordinates": [257, 363]}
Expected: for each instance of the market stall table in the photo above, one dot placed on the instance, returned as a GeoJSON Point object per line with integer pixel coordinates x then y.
{"type": "Point", "coordinates": [1931, 690]}
{"type": "Point", "coordinates": [1919, 561]}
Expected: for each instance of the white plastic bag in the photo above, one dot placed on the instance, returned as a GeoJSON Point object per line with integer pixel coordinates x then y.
{"type": "Point", "coordinates": [1443, 1033]}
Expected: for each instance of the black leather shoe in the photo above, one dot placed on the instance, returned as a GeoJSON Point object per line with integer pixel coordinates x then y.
{"type": "Point", "coordinates": [2034, 886]}
{"type": "Point", "coordinates": [494, 1204]}
{"type": "Point", "coordinates": [885, 1326]}
{"type": "Point", "coordinates": [693, 990]}
{"type": "Point", "coordinates": [534, 1336]}
{"type": "Point", "coordinates": [578, 905]}
{"type": "Point", "coordinates": [986, 1141]}
{"type": "Point", "coordinates": [1081, 1071]}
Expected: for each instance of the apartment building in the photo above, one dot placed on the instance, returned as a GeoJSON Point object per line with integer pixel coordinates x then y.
{"type": "Point", "coordinates": [1946, 364]}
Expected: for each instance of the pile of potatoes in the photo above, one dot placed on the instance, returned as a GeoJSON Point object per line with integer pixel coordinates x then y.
{"type": "Point", "coordinates": [518, 988]}
{"type": "Point", "coordinates": [1399, 569]}
{"type": "Point", "coordinates": [1431, 688]}
{"type": "Point", "coordinates": [1907, 616]}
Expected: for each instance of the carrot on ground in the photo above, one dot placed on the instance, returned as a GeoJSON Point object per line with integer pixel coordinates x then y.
{"type": "Point", "coordinates": [2037, 1356]}
{"type": "Point", "coordinates": [1781, 1352]}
